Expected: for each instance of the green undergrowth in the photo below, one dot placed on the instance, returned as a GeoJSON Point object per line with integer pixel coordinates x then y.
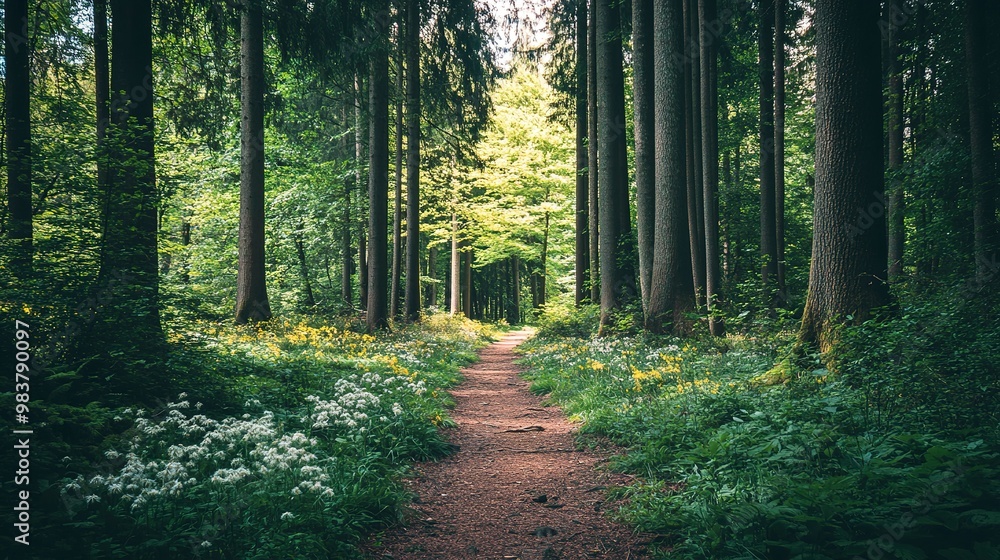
{"type": "Point", "coordinates": [894, 456]}
{"type": "Point", "coordinates": [289, 440]}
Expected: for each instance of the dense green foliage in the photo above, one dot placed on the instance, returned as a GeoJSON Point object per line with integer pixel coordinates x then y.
{"type": "Point", "coordinates": [895, 455]}
{"type": "Point", "coordinates": [297, 451]}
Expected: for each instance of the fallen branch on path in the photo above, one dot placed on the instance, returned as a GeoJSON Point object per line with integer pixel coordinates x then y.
{"type": "Point", "coordinates": [525, 429]}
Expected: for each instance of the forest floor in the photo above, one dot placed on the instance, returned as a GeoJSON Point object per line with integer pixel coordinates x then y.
{"type": "Point", "coordinates": [517, 487]}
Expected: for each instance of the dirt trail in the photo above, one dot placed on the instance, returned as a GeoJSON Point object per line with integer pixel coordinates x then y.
{"type": "Point", "coordinates": [517, 488]}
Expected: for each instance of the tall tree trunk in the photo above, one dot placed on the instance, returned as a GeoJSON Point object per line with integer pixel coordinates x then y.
{"type": "Point", "coordinates": [185, 241]}
{"type": "Point", "coordinates": [17, 86]}
{"type": "Point", "coordinates": [359, 181]}
{"type": "Point", "coordinates": [300, 252]}
{"type": "Point", "coordinates": [695, 181]}
{"type": "Point", "coordinates": [397, 206]}
{"type": "Point", "coordinates": [670, 288]}
{"type": "Point", "coordinates": [130, 225]}
{"type": "Point", "coordinates": [984, 176]}
{"type": "Point", "coordinates": [467, 282]}
{"type": "Point", "coordinates": [346, 252]}
{"type": "Point", "coordinates": [455, 284]}
{"type": "Point", "coordinates": [251, 287]}
{"type": "Point", "coordinates": [727, 254]}
{"type": "Point", "coordinates": [543, 274]}
{"type": "Point", "coordinates": [102, 88]}
{"type": "Point", "coordinates": [707, 14]}
{"type": "Point", "coordinates": [593, 171]}
{"type": "Point", "coordinates": [378, 183]}
{"type": "Point", "coordinates": [779, 148]}
{"type": "Point", "coordinates": [846, 278]}
{"type": "Point", "coordinates": [613, 179]}
{"type": "Point", "coordinates": [431, 298]}
{"type": "Point", "coordinates": [515, 290]}
{"type": "Point", "coordinates": [582, 268]}
{"type": "Point", "coordinates": [645, 156]}
{"type": "Point", "coordinates": [897, 209]}
{"type": "Point", "coordinates": [413, 160]}
{"type": "Point", "coordinates": [768, 235]}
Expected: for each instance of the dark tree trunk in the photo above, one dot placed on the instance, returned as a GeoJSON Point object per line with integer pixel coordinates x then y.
{"type": "Point", "coordinates": [413, 160]}
{"type": "Point", "coordinates": [707, 14]}
{"type": "Point", "coordinates": [185, 241]}
{"type": "Point", "coordinates": [897, 209]}
{"type": "Point", "coordinates": [251, 287]}
{"type": "Point", "coordinates": [671, 291]}
{"type": "Point", "coordinates": [768, 235]}
{"type": "Point", "coordinates": [645, 156]}
{"type": "Point", "coordinates": [779, 148]}
{"type": "Point", "coordinates": [613, 181]}
{"type": "Point", "coordinates": [430, 295]}
{"type": "Point", "coordinates": [130, 225]}
{"type": "Point", "coordinates": [515, 290]}
{"type": "Point", "coordinates": [593, 171]}
{"type": "Point", "coordinates": [984, 176]}
{"type": "Point", "coordinates": [359, 180]}
{"type": "Point", "coordinates": [378, 184]}
{"type": "Point", "coordinates": [582, 268]}
{"type": "Point", "coordinates": [455, 284]}
{"type": "Point", "coordinates": [300, 252]}
{"type": "Point", "coordinates": [346, 252]}
{"type": "Point", "coordinates": [447, 284]}
{"type": "Point", "coordinates": [467, 282]}
{"type": "Point", "coordinates": [397, 206]}
{"type": "Point", "coordinates": [695, 182]}
{"type": "Point", "coordinates": [543, 272]}
{"type": "Point", "coordinates": [727, 254]}
{"type": "Point", "coordinates": [102, 88]}
{"type": "Point", "coordinates": [17, 86]}
{"type": "Point", "coordinates": [849, 255]}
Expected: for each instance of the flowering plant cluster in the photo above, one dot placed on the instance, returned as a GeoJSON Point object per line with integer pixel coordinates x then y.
{"type": "Point", "coordinates": [315, 475]}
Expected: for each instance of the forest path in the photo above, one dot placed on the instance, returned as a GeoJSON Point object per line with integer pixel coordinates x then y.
{"type": "Point", "coordinates": [517, 488]}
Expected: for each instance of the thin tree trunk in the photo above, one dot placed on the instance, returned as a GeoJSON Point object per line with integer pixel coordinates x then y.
{"type": "Point", "coordinates": [456, 269]}
{"type": "Point", "coordinates": [847, 276]}
{"type": "Point", "coordinates": [768, 235]}
{"type": "Point", "coordinates": [613, 180]}
{"type": "Point", "coordinates": [582, 268]}
{"type": "Point", "coordinates": [413, 160]}
{"type": "Point", "coordinates": [347, 257]}
{"type": "Point", "coordinates": [17, 88]}
{"type": "Point", "coordinates": [696, 197]}
{"type": "Point", "coordinates": [671, 291]}
{"type": "Point", "coordinates": [593, 171]}
{"type": "Point", "coordinates": [300, 252]}
{"type": "Point", "coordinates": [542, 277]}
{"type": "Point", "coordinates": [397, 206]}
{"type": "Point", "coordinates": [707, 13]}
{"type": "Point", "coordinates": [431, 298]}
{"type": "Point", "coordinates": [691, 165]}
{"type": "Point", "coordinates": [359, 181]}
{"type": "Point", "coordinates": [727, 255]}
{"type": "Point", "coordinates": [185, 242]}
{"type": "Point", "coordinates": [645, 157]}
{"type": "Point", "coordinates": [378, 186]}
{"type": "Point", "coordinates": [984, 176]}
{"type": "Point", "coordinates": [779, 148]}
{"type": "Point", "coordinates": [897, 210]}
{"type": "Point", "coordinates": [515, 304]}
{"type": "Point", "coordinates": [467, 282]}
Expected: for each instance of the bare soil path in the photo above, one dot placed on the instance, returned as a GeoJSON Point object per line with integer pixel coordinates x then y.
{"type": "Point", "coordinates": [517, 488]}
